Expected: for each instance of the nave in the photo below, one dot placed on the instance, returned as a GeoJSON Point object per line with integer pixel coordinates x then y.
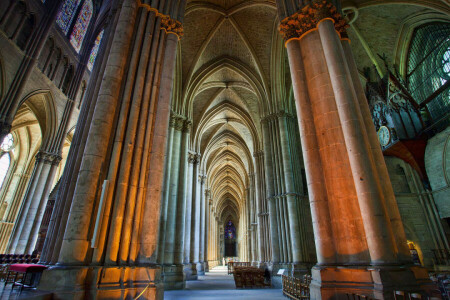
{"type": "Point", "coordinates": [217, 284]}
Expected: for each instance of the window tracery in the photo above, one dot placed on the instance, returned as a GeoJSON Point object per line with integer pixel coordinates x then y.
{"type": "Point", "coordinates": [81, 25]}
{"type": "Point", "coordinates": [66, 14]}
{"type": "Point", "coordinates": [94, 51]}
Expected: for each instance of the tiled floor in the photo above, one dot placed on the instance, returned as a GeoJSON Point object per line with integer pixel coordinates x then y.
{"type": "Point", "coordinates": [218, 285]}
{"type": "Point", "coordinates": [6, 293]}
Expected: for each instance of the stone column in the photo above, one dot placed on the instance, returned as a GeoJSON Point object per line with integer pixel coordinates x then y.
{"type": "Point", "coordinates": [270, 195]}
{"type": "Point", "coordinates": [294, 224]}
{"type": "Point", "coordinates": [201, 245]}
{"type": "Point", "coordinates": [190, 201]}
{"type": "Point", "coordinates": [195, 222]}
{"type": "Point", "coordinates": [26, 230]}
{"type": "Point", "coordinates": [111, 233]}
{"type": "Point", "coordinates": [350, 218]}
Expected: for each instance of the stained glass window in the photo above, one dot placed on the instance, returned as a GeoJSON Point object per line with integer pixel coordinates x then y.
{"type": "Point", "coordinates": [66, 14]}
{"type": "Point", "coordinates": [8, 143]}
{"type": "Point", "coordinates": [230, 231]}
{"type": "Point", "coordinates": [94, 51]}
{"type": "Point", "coordinates": [5, 161]}
{"type": "Point", "coordinates": [429, 67]}
{"type": "Point", "coordinates": [81, 25]}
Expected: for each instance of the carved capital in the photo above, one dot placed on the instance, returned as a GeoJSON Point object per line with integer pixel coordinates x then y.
{"type": "Point", "coordinates": [170, 25]}
{"type": "Point", "coordinates": [309, 17]}
{"type": "Point", "coordinates": [187, 125]}
{"type": "Point", "coordinates": [48, 158]}
{"type": "Point", "coordinates": [193, 158]}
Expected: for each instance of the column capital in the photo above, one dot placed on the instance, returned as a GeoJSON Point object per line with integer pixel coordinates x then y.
{"type": "Point", "coordinates": [168, 24]}
{"type": "Point", "coordinates": [259, 153]}
{"type": "Point", "coordinates": [193, 158]}
{"type": "Point", "coordinates": [48, 158]}
{"type": "Point", "coordinates": [308, 18]}
{"type": "Point", "coordinates": [201, 178]}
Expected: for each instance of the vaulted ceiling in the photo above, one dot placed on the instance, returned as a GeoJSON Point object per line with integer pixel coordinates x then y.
{"type": "Point", "coordinates": [232, 70]}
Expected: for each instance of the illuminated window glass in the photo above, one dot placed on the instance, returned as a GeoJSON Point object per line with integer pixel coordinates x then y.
{"type": "Point", "coordinates": [66, 14]}
{"type": "Point", "coordinates": [8, 143]}
{"type": "Point", "coordinates": [94, 51]}
{"type": "Point", "coordinates": [230, 231]}
{"type": "Point", "coordinates": [5, 161]}
{"type": "Point", "coordinates": [429, 67]}
{"type": "Point", "coordinates": [81, 25]}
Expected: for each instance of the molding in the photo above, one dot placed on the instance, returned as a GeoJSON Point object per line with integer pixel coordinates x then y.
{"type": "Point", "coordinates": [296, 26]}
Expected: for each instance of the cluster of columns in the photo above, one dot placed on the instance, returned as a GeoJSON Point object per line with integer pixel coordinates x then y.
{"type": "Point", "coordinates": [26, 227]}
{"type": "Point", "coordinates": [355, 216]}
{"type": "Point", "coordinates": [173, 207]}
{"type": "Point", "coordinates": [291, 241]}
{"type": "Point", "coordinates": [104, 236]}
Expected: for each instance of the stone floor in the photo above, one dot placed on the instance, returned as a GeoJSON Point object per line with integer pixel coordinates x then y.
{"type": "Point", "coordinates": [218, 285]}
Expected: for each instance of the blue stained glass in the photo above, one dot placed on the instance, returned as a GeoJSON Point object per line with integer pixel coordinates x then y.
{"type": "Point", "coordinates": [94, 51]}
{"type": "Point", "coordinates": [230, 231]}
{"type": "Point", "coordinates": [79, 30]}
{"type": "Point", "coordinates": [66, 14]}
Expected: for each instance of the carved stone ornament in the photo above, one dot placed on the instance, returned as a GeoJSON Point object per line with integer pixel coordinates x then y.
{"type": "Point", "coordinates": [168, 24]}
{"type": "Point", "coordinates": [171, 26]}
{"type": "Point", "coordinates": [309, 17]}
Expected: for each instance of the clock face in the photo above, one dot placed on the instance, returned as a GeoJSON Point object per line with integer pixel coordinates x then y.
{"type": "Point", "coordinates": [384, 135]}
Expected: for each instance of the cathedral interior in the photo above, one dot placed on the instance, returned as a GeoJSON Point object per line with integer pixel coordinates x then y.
{"type": "Point", "coordinates": [148, 142]}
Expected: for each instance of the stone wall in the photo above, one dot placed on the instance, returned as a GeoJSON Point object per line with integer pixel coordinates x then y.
{"type": "Point", "coordinates": [437, 164]}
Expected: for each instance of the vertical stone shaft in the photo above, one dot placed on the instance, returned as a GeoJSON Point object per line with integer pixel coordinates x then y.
{"type": "Point", "coordinates": [75, 243]}
{"type": "Point", "coordinates": [188, 220]}
{"type": "Point", "coordinates": [165, 196]}
{"type": "Point", "coordinates": [172, 198]}
{"type": "Point", "coordinates": [181, 198]}
{"type": "Point", "coordinates": [348, 228]}
{"type": "Point", "coordinates": [294, 224]}
{"type": "Point", "coordinates": [195, 225]}
{"type": "Point", "coordinates": [269, 194]}
{"type": "Point", "coordinates": [323, 232]}
{"type": "Point", "coordinates": [129, 115]}
{"type": "Point", "coordinates": [201, 245]}
{"type": "Point", "coordinates": [388, 192]}
{"type": "Point", "coordinates": [158, 151]}
{"type": "Point", "coordinates": [371, 201]}
{"type": "Point", "coordinates": [31, 237]}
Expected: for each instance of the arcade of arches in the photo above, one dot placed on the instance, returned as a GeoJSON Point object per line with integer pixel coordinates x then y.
{"type": "Point", "coordinates": [146, 142]}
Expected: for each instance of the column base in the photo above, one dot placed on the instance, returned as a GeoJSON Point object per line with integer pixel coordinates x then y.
{"type": "Point", "coordinates": [335, 283]}
{"type": "Point", "coordinates": [174, 277]}
{"type": "Point", "coordinates": [190, 272]}
{"type": "Point", "coordinates": [102, 282]}
{"type": "Point", "coordinates": [206, 266]}
{"type": "Point", "coordinates": [200, 268]}
{"type": "Point", "coordinates": [274, 269]}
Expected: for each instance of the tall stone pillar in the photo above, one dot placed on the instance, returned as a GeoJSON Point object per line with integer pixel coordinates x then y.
{"type": "Point", "coordinates": [195, 222]}
{"type": "Point", "coordinates": [355, 239]}
{"type": "Point", "coordinates": [26, 229]}
{"type": "Point", "coordinates": [193, 160]}
{"type": "Point", "coordinates": [109, 236]}
{"type": "Point", "coordinates": [269, 173]}
{"type": "Point", "coordinates": [201, 242]}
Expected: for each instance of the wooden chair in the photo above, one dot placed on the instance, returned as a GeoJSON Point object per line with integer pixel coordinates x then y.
{"type": "Point", "coordinates": [399, 295]}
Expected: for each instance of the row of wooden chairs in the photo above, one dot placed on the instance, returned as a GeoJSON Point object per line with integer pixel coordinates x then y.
{"type": "Point", "coordinates": [398, 295]}
{"type": "Point", "coordinates": [296, 288]}
{"type": "Point", "coordinates": [18, 258]}
{"type": "Point", "coordinates": [233, 264]}
{"type": "Point", "coordinates": [249, 277]}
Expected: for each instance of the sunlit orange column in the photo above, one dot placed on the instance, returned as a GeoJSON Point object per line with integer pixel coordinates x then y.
{"type": "Point", "coordinates": [360, 240]}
